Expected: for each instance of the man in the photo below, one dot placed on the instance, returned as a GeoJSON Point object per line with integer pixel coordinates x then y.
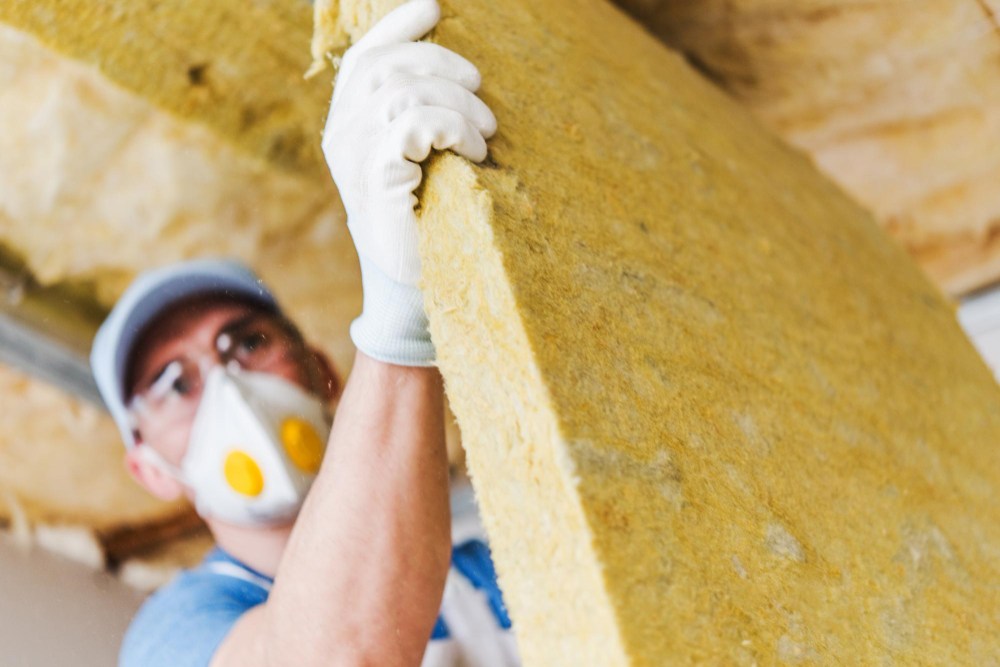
{"type": "Point", "coordinates": [218, 397]}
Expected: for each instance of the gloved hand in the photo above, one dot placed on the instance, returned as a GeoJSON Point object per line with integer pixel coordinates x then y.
{"type": "Point", "coordinates": [394, 100]}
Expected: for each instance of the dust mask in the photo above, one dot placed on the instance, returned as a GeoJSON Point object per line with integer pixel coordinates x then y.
{"type": "Point", "coordinates": [256, 444]}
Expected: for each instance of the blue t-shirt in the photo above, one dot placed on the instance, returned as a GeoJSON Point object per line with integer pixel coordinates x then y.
{"type": "Point", "coordinates": [183, 624]}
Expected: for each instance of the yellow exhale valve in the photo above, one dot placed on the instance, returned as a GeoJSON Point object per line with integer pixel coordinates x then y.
{"type": "Point", "coordinates": [243, 474]}
{"type": "Point", "coordinates": [302, 444]}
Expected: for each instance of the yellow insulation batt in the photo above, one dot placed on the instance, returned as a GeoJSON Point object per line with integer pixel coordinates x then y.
{"type": "Point", "coordinates": [61, 462]}
{"type": "Point", "coordinates": [900, 107]}
{"type": "Point", "coordinates": [233, 66]}
{"type": "Point", "coordinates": [713, 414]}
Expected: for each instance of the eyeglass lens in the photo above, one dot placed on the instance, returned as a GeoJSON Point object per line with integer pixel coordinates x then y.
{"type": "Point", "coordinates": [254, 343]}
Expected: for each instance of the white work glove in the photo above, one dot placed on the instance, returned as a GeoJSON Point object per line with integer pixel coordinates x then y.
{"type": "Point", "coordinates": [394, 100]}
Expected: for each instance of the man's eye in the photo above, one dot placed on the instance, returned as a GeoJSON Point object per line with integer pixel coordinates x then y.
{"type": "Point", "coordinates": [181, 386]}
{"type": "Point", "coordinates": [252, 342]}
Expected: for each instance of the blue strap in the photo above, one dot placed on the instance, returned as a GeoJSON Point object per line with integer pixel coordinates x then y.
{"type": "Point", "coordinates": [473, 560]}
{"type": "Point", "coordinates": [475, 565]}
{"type": "Point", "coordinates": [440, 629]}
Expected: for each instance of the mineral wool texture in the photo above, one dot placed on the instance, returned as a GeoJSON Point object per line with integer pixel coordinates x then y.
{"type": "Point", "coordinates": [713, 415]}
{"type": "Point", "coordinates": [233, 66]}
{"type": "Point", "coordinates": [900, 107]}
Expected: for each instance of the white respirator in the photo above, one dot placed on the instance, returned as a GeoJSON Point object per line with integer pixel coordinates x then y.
{"type": "Point", "coordinates": [256, 444]}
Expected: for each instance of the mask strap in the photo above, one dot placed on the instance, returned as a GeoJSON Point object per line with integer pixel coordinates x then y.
{"type": "Point", "coordinates": [155, 459]}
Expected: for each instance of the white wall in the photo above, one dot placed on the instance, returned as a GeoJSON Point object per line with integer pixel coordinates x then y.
{"type": "Point", "coordinates": [56, 613]}
{"type": "Point", "coordinates": [980, 317]}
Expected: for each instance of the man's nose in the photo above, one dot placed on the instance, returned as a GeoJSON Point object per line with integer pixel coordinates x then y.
{"type": "Point", "coordinates": [205, 363]}
{"type": "Point", "coordinates": [209, 360]}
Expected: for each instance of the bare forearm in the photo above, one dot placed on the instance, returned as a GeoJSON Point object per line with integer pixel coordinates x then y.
{"type": "Point", "coordinates": [362, 577]}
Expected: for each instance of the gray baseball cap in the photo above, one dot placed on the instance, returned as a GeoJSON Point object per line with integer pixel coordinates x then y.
{"type": "Point", "coordinates": [149, 295]}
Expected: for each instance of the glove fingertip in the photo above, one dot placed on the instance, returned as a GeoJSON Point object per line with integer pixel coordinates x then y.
{"type": "Point", "coordinates": [476, 152]}
{"type": "Point", "coordinates": [488, 126]}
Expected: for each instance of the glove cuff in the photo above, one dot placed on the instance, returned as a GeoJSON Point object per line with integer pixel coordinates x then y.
{"type": "Point", "coordinates": [392, 326]}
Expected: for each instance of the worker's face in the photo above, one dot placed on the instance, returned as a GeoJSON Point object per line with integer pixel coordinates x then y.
{"type": "Point", "coordinates": [171, 360]}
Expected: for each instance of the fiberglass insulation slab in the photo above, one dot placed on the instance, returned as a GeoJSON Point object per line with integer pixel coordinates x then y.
{"type": "Point", "coordinates": [900, 107]}
{"type": "Point", "coordinates": [713, 414]}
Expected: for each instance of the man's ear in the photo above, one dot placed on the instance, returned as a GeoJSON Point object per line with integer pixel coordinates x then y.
{"type": "Point", "coordinates": [151, 477]}
{"type": "Point", "coordinates": [330, 384]}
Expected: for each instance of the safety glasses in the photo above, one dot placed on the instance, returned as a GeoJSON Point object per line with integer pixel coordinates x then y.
{"type": "Point", "coordinates": [257, 342]}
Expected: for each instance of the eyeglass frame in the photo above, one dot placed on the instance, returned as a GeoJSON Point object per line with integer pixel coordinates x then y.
{"type": "Point", "coordinates": [138, 404]}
